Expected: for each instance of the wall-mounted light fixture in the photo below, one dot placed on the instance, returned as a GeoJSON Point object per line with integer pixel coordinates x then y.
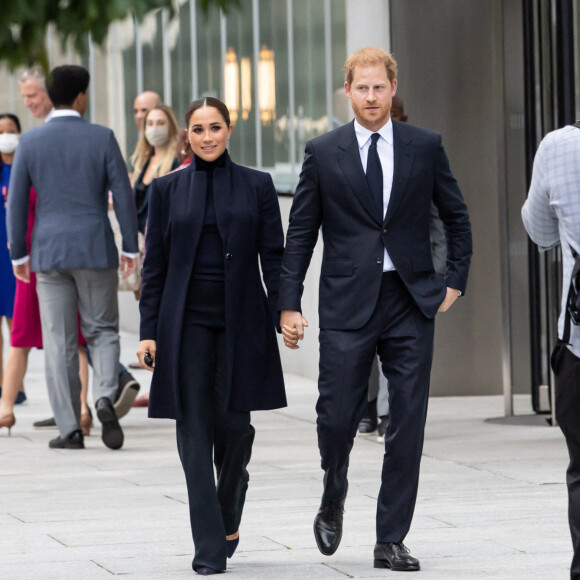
{"type": "Point", "coordinates": [232, 84]}
{"type": "Point", "coordinates": [246, 77]}
{"type": "Point", "coordinates": [267, 84]}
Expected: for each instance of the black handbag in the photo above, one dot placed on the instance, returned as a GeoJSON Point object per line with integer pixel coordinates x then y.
{"type": "Point", "coordinates": [572, 314]}
{"type": "Point", "coordinates": [573, 302]}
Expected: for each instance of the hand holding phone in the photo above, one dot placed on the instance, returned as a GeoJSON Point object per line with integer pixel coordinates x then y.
{"type": "Point", "coordinates": [148, 360]}
{"type": "Point", "coordinates": [146, 354]}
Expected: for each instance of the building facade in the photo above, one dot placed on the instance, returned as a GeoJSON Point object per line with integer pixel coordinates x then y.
{"type": "Point", "coordinates": [491, 76]}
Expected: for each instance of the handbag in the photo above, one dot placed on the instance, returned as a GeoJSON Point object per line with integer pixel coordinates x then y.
{"type": "Point", "coordinates": [572, 315]}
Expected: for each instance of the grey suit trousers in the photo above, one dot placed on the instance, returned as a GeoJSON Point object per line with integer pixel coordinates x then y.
{"type": "Point", "coordinates": [93, 292]}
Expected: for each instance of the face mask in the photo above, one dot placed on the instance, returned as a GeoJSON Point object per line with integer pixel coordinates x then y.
{"type": "Point", "coordinates": [157, 136]}
{"type": "Point", "coordinates": [8, 143]}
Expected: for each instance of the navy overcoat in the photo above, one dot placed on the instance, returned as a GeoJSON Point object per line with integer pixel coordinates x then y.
{"type": "Point", "coordinates": [249, 223]}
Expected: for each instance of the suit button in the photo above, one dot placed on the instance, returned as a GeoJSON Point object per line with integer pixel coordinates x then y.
{"type": "Point", "coordinates": [228, 256]}
{"type": "Point", "coordinates": [385, 231]}
{"type": "Point", "coordinates": [379, 261]}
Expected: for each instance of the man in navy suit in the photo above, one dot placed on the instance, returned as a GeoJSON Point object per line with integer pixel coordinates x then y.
{"type": "Point", "coordinates": [369, 185]}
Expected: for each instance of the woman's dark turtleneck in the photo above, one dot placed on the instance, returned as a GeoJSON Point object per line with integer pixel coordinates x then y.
{"type": "Point", "coordinates": [209, 166]}
{"type": "Point", "coordinates": [209, 259]}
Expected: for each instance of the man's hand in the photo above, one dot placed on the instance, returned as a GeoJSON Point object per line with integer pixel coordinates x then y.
{"type": "Point", "coordinates": [22, 272]}
{"type": "Point", "coordinates": [128, 266]}
{"type": "Point", "coordinates": [147, 347]}
{"type": "Point", "coordinates": [452, 296]}
{"type": "Point", "coordinates": [292, 324]}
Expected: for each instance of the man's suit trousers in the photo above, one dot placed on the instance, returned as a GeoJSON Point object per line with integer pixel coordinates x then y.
{"type": "Point", "coordinates": [93, 293]}
{"type": "Point", "coordinates": [568, 416]}
{"type": "Point", "coordinates": [403, 338]}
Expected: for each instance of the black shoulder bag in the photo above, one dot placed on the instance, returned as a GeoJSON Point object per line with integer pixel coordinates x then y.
{"type": "Point", "coordinates": [572, 314]}
{"type": "Point", "coordinates": [572, 307]}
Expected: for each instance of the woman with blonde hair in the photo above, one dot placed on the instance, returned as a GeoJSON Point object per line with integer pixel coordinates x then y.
{"type": "Point", "coordinates": [155, 155]}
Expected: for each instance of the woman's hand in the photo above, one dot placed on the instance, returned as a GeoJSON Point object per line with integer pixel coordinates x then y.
{"type": "Point", "coordinates": [147, 347]}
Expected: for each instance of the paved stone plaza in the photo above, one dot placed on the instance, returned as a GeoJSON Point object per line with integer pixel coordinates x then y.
{"type": "Point", "coordinates": [492, 498]}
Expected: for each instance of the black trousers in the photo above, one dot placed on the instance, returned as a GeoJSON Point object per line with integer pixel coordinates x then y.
{"type": "Point", "coordinates": [209, 431]}
{"type": "Point", "coordinates": [568, 416]}
{"type": "Point", "coordinates": [403, 338]}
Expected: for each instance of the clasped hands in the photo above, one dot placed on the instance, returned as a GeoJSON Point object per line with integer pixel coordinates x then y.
{"type": "Point", "coordinates": [293, 323]}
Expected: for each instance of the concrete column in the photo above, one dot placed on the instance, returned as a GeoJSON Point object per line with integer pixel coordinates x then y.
{"type": "Point", "coordinates": [368, 23]}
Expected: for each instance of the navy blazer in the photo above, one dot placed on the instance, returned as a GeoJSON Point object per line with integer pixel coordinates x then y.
{"type": "Point", "coordinates": [248, 219]}
{"type": "Point", "coordinates": [332, 193]}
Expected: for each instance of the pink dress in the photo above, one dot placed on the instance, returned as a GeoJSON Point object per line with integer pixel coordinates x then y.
{"type": "Point", "coordinates": [26, 328]}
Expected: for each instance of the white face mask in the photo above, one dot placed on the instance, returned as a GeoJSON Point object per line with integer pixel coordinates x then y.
{"type": "Point", "coordinates": [8, 143]}
{"type": "Point", "coordinates": [157, 136]}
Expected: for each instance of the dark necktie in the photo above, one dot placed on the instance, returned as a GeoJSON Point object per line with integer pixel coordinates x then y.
{"type": "Point", "coordinates": [375, 174]}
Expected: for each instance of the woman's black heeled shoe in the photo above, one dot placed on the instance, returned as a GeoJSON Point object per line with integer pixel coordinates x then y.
{"type": "Point", "coordinates": [206, 570]}
{"type": "Point", "coordinates": [231, 546]}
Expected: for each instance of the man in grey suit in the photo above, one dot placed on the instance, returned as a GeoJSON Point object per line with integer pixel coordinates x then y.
{"type": "Point", "coordinates": [72, 165]}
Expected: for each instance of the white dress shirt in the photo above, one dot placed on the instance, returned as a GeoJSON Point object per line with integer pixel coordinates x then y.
{"type": "Point", "coordinates": [55, 113]}
{"type": "Point", "coordinates": [386, 156]}
{"type": "Point", "coordinates": [49, 116]}
{"type": "Point", "coordinates": [551, 213]}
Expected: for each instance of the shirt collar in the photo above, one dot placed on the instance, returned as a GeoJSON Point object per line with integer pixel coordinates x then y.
{"type": "Point", "coordinates": [363, 134]}
{"type": "Point", "coordinates": [49, 116]}
{"type": "Point", "coordinates": [64, 113]}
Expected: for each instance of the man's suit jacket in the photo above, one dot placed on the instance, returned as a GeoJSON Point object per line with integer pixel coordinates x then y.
{"type": "Point", "coordinates": [249, 223]}
{"type": "Point", "coordinates": [72, 165]}
{"type": "Point", "coordinates": [332, 192]}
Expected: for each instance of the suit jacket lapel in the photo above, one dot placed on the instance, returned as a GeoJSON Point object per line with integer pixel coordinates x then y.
{"type": "Point", "coordinates": [195, 205]}
{"type": "Point", "coordinates": [223, 199]}
{"type": "Point", "coordinates": [403, 162]}
{"type": "Point", "coordinates": [350, 163]}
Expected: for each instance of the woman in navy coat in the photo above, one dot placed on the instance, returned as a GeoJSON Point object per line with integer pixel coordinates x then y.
{"type": "Point", "coordinates": [207, 326]}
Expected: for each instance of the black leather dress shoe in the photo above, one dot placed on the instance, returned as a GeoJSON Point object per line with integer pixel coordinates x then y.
{"type": "Point", "coordinates": [206, 571]}
{"type": "Point", "coordinates": [126, 394]}
{"type": "Point", "coordinates": [73, 440]}
{"type": "Point", "coordinates": [112, 434]}
{"type": "Point", "coordinates": [45, 424]}
{"type": "Point", "coordinates": [382, 428]}
{"type": "Point", "coordinates": [328, 526]}
{"type": "Point", "coordinates": [369, 422]}
{"type": "Point", "coordinates": [396, 557]}
{"type": "Point", "coordinates": [383, 425]}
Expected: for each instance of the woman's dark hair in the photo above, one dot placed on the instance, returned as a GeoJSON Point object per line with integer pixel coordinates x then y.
{"type": "Point", "coordinates": [207, 102]}
{"type": "Point", "coordinates": [66, 82]}
{"type": "Point", "coordinates": [13, 118]}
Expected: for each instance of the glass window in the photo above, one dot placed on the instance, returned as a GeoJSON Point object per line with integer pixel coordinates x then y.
{"type": "Point", "coordinates": [208, 53]}
{"type": "Point", "coordinates": [180, 39]}
{"type": "Point", "coordinates": [152, 53]}
{"type": "Point", "coordinates": [129, 63]}
{"type": "Point", "coordinates": [239, 84]}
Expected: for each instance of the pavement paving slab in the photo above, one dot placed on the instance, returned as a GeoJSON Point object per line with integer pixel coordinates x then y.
{"type": "Point", "coordinates": [492, 498]}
